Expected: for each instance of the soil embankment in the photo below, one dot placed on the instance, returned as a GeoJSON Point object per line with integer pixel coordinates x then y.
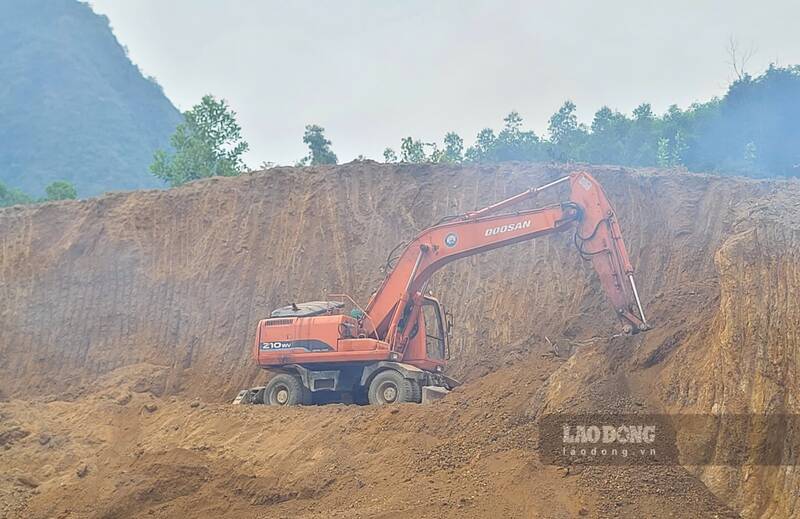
{"type": "Point", "coordinates": [127, 322]}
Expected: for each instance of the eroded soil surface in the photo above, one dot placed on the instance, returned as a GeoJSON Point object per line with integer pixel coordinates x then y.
{"type": "Point", "coordinates": [127, 322]}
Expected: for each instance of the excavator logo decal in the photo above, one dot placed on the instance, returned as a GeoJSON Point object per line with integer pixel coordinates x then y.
{"type": "Point", "coordinates": [507, 228]}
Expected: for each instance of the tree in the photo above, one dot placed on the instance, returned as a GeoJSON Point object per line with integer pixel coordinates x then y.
{"type": "Point", "coordinates": [208, 143]}
{"type": "Point", "coordinates": [643, 112]}
{"type": "Point", "coordinates": [512, 143]}
{"type": "Point", "coordinates": [641, 144]}
{"type": "Point", "coordinates": [453, 148]}
{"type": "Point", "coordinates": [10, 196]}
{"type": "Point", "coordinates": [753, 130]}
{"type": "Point", "coordinates": [606, 143]}
{"type": "Point", "coordinates": [412, 151]}
{"type": "Point", "coordinates": [663, 156]}
{"type": "Point", "coordinates": [762, 110]}
{"type": "Point", "coordinates": [481, 151]}
{"type": "Point", "coordinates": [739, 58]}
{"type": "Point", "coordinates": [319, 148]}
{"type": "Point", "coordinates": [436, 155]}
{"type": "Point", "coordinates": [679, 149]}
{"type": "Point", "coordinates": [566, 135]}
{"type": "Point", "coordinates": [60, 190]}
{"type": "Point", "coordinates": [389, 156]}
{"type": "Point", "coordinates": [671, 152]}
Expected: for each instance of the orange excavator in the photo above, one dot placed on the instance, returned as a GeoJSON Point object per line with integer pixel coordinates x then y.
{"type": "Point", "coordinates": [395, 349]}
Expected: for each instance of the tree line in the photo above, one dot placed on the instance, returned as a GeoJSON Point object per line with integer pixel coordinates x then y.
{"type": "Point", "coordinates": [58, 190]}
{"type": "Point", "coordinates": [753, 130]}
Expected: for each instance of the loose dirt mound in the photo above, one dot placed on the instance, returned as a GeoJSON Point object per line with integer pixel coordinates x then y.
{"type": "Point", "coordinates": [119, 453]}
{"type": "Point", "coordinates": [118, 311]}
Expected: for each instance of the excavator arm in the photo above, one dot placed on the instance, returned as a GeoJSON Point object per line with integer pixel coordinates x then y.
{"type": "Point", "coordinates": [597, 238]}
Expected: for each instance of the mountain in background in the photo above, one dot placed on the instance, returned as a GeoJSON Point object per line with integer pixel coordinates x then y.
{"type": "Point", "coordinates": [72, 105]}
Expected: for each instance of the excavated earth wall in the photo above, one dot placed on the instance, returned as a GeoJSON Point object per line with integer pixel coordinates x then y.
{"type": "Point", "coordinates": [157, 293]}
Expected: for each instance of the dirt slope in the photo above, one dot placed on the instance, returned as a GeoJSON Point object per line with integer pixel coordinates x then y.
{"type": "Point", "coordinates": [149, 299]}
{"type": "Point", "coordinates": [471, 455]}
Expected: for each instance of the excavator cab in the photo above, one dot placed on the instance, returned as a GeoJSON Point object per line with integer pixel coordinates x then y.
{"type": "Point", "coordinates": [437, 329]}
{"type": "Point", "coordinates": [428, 344]}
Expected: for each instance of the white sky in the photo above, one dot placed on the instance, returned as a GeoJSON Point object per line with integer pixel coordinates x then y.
{"type": "Point", "coordinates": [372, 72]}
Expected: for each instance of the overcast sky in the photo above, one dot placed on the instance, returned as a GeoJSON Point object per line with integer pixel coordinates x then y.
{"type": "Point", "coordinates": [372, 72]}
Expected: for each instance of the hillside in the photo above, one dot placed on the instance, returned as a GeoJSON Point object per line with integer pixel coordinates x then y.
{"type": "Point", "coordinates": [127, 322]}
{"type": "Point", "coordinates": [72, 105]}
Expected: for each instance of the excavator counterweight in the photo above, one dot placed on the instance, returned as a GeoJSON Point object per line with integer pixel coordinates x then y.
{"type": "Point", "coordinates": [388, 351]}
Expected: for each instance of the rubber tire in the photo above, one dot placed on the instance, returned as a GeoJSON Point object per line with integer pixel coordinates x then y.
{"type": "Point", "coordinates": [407, 390]}
{"type": "Point", "coordinates": [297, 394]}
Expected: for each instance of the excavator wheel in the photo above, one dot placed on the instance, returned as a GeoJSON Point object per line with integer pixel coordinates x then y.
{"type": "Point", "coordinates": [286, 389]}
{"type": "Point", "coordinates": [390, 387]}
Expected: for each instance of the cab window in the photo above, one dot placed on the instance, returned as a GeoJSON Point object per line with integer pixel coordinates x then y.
{"type": "Point", "coordinates": [434, 332]}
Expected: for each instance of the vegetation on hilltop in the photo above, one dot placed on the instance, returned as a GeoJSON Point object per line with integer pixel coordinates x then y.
{"type": "Point", "coordinates": [319, 148]}
{"type": "Point", "coordinates": [753, 130]}
{"type": "Point", "coordinates": [57, 190]}
{"type": "Point", "coordinates": [208, 143]}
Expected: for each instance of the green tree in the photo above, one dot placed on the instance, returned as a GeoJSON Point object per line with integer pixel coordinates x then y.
{"type": "Point", "coordinates": [643, 112]}
{"type": "Point", "coordinates": [453, 148]}
{"type": "Point", "coordinates": [512, 143]}
{"type": "Point", "coordinates": [436, 155]}
{"type": "Point", "coordinates": [679, 149]}
{"type": "Point", "coordinates": [515, 144]}
{"type": "Point", "coordinates": [663, 156]}
{"type": "Point", "coordinates": [389, 156]}
{"type": "Point", "coordinates": [641, 144]}
{"type": "Point", "coordinates": [208, 143]}
{"type": "Point", "coordinates": [319, 148]}
{"type": "Point", "coordinates": [10, 196]}
{"type": "Point", "coordinates": [412, 151]}
{"type": "Point", "coordinates": [671, 152]}
{"type": "Point", "coordinates": [482, 150]}
{"type": "Point", "coordinates": [567, 136]}
{"type": "Point", "coordinates": [606, 143]}
{"type": "Point", "coordinates": [60, 190]}
{"type": "Point", "coordinates": [752, 130]}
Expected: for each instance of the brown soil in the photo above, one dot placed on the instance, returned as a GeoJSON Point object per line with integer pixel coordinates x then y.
{"type": "Point", "coordinates": [126, 325]}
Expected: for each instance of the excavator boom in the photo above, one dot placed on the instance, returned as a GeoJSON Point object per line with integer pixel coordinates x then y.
{"type": "Point", "coordinates": [597, 237]}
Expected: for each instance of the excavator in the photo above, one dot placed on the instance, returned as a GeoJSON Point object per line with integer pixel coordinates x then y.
{"type": "Point", "coordinates": [395, 349]}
